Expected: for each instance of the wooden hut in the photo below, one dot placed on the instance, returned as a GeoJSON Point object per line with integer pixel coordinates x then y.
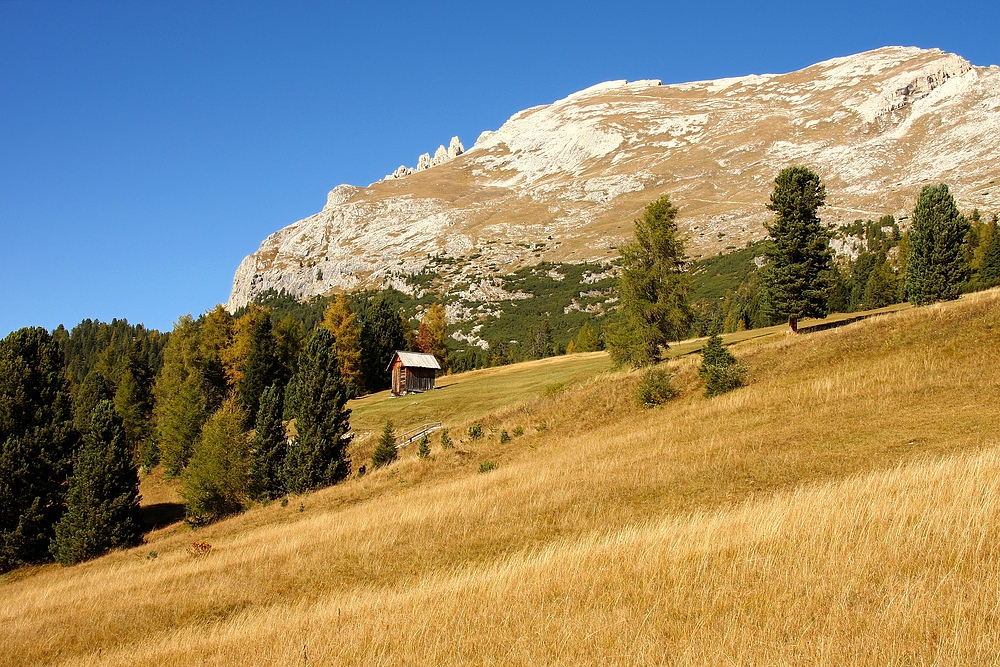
{"type": "Point", "coordinates": [412, 372]}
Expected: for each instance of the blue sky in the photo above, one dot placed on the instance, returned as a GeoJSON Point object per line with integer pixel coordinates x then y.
{"type": "Point", "coordinates": [147, 147]}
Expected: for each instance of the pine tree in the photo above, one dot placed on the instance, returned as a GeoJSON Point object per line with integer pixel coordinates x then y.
{"type": "Point", "coordinates": [382, 332]}
{"type": "Point", "coordinates": [798, 250]}
{"type": "Point", "coordinates": [989, 272]}
{"type": "Point", "coordinates": [587, 339]}
{"type": "Point", "coordinates": [268, 447]}
{"type": "Point", "coordinates": [936, 265]}
{"type": "Point", "coordinates": [134, 403]}
{"type": "Point", "coordinates": [260, 370]}
{"type": "Point", "coordinates": [424, 447]}
{"type": "Point", "coordinates": [94, 389]}
{"type": "Point", "coordinates": [289, 343]}
{"type": "Point", "coordinates": [102, 504]}
{"type": "Point", "coordinates": [317, 456]}
{"type": "Point", "coordinates": [37, 442]}
{"type": "Point", "coordinates": [386, 452]}
{"type": "Point", "coordinates": [540, 345]}
{"type": "Point", "coordinates": [340, 321]}
{"type": "Point", "coordinates": [719, 368]}
{"type": "Point", "coordinates": [653, 288]}
{"type": "Point", "coordinates": [216, 480]}
{"type": "Point", "coordinates": [180, 421]}
{"type": "Point", "coordinates": [880, 289]}
{"type": "Point", "coordinates": [714, 354]}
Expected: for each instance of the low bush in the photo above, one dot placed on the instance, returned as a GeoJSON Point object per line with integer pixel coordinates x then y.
{"type": "Point", "coordinates": [446, 442]}
{"type": "Point", "coordinates": [654, 388]}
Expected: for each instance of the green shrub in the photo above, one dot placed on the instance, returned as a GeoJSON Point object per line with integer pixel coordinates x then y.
{"type": "Point", "coordinates": [518, 431]}
{"type": "Point", "coordinates": [424, 447]}
{"type": "Point", "coordinates": [476, 431]}
{"type": "Point", "coordinates": [504, 437]}
{"type": "Point", "coordinates": [487, 466]}
{"type": "Point", "coordinates": [385, 453]}
{"type": "Point", "coordinates": [722, 379]}
{"type": "Point", "coordinates": [719, 368]}
{"type": "Point", "coordinates": [446, 442]}
{"type": "Point", "coordinates": [654, 388]}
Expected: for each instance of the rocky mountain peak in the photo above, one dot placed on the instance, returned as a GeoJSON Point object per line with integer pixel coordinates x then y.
{"type": "Point", "coordinates": [564, 181]}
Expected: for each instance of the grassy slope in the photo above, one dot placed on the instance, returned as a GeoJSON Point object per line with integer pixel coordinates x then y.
{"type": "Point", "coordinates": [843, 508]}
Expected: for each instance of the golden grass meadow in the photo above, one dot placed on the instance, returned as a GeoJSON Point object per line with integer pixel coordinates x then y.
{"type": "Point", "coordinates": [841, 509]}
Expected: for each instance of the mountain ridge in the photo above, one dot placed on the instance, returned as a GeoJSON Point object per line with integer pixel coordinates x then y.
{"type": "Point", "coordinates": [562, 182]}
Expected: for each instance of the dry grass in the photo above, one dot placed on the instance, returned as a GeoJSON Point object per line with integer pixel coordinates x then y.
{"type": "Point", "coordinates": [843, 508]}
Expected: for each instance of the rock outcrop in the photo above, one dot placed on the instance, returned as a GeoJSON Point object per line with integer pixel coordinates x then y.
{"type": "Point", "coordinates": [564, 181]}
{"type": "Point", "coordinates": [425, 161]}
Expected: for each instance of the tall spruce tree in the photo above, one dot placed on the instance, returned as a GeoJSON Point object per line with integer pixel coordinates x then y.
{"type": "Point", "coordinates": [102, 504]}
{"type": "Point", "coordinates": [936, 265]}
{"type": "Point", "coordinates": [268, 447]}
{"type": "Point", "coordinates": [653, 288]}
{"type": "Point", "coordinates": [989, 272]}
{"type": "Point", "coordinates": [134, 403]}
{"type": "Point", "coordinates": [37, 444]}
{"type": "Point", "coordinates": [797, 275]}
{"type": "Point", "coordinates": [86, 395]}
{"type": "Point", "coordinates": [261, 369]}
{"type": "Point", "coordinates": [382, 332]}
{"type": "Point", "coordinates": [317, 456]}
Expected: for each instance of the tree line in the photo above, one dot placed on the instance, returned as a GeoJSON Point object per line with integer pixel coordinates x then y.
{"type": "Point", "coordinates": [82, 411]}
{"type": "Point", "coordinates": [940, 256]}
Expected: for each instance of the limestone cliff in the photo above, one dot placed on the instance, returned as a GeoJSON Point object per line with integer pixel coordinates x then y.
{"type": "Point", "coordinates": [563, 181]}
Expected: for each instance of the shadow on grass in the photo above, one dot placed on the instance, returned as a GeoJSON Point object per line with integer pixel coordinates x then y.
{"type": "Point", "coordinates": [162, 514]}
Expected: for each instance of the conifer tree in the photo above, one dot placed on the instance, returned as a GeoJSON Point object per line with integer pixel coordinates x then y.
{"type": "Point", "coordinates": [261, 368]}
{"type": "Point", "coordinates": [936, 265]}
{"type": "Point", "coordinates": [587, 339]}
{"type": "Point", "coordinates": [102, 504]}
{"type": "Point", "coordinates": [180, 421]}
{"type": "Point", "coordinates": [431, 333]}
{"type": "Point", "coordinates": [317, 456]}
{"type": "Point", "coordinates": [653, 288]}
{"type": "Point", "coordinates": [880, 289]}
{"type": "Point", "coordinates": [94, 389]}
{"type": "Point", "coordinates": [714, 354]}
{"type": "Point", "coordinates": [37, 443]}
{"type": "Point", "coordinates": [989, 271]}
{"type": "Point", "coordinates": [424, 447]}
{"type": "Point", "coordinates": [216, 480]}
{"type": "Point", "coordinates": [798, 250]}
{"type": "Point", "coordinates": [181, 406]}
{"type": "Point", "coordinates": [340, 321]}
{"type": "Point", "coordinates": [289, 341]}
{"type": "Point", "coordinates": [382, 332]}
{"type": "Point", "coordinates": [134, 403]}
{"type": "Point", "coordinates": [268, 447]}
{"type": "Point", "coordinates": [719, 368]}
{"type": "Point", "coordinates": [386, 452]}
